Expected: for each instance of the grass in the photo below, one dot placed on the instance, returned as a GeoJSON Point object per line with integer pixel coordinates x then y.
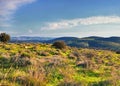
{"type": "Point", "coordinates": [29, 64]}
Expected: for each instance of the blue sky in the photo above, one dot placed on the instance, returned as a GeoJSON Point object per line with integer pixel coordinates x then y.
{"type": "Point", "coordinates": [56, 18]}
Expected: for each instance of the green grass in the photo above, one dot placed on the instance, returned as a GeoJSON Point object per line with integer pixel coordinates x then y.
{"type": "Point", "coordinates": [30, 64]}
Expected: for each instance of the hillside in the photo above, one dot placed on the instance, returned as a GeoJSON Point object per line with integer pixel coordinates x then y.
{"type": "Point", "coordinates": [112, 43]}
{"type": "Point", "coordinates": [30, 64]}
{"type": "Point", "coordinates": [30, 39]}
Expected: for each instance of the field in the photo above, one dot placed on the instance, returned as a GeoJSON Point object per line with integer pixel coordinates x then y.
{"type": "Point", "coordinates": [35, 64]}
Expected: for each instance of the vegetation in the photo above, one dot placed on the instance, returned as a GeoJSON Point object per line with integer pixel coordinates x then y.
{"type": "Point", "coordinates": [59, 44]}
{"type": "Point", "coordinates": [4, 37]}
{"type": "Point", "coordinates": [112, 43]}
{"type": "Point", "coordinates": [29, 64]}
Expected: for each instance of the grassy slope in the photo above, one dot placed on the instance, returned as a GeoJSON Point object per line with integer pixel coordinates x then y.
{"type": "Point", "coordinates": [42, 65]}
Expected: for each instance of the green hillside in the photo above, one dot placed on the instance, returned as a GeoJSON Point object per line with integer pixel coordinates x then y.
{"type": "Point", "coordinates": [33, 64]}
{"type": "Point", "coordinates": [111, 43]}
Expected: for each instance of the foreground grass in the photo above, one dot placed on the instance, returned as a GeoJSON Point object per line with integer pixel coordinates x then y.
{"type": "Point", "coordinates": [29, 64]}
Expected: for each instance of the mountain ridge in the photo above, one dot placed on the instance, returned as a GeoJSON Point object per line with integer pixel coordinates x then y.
{"type": "Point", "coordinates": [111, 43]}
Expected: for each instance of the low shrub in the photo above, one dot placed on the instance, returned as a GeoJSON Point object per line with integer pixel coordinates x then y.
{"type": "Point", "coordinates": [59, 45]}
{"type": "Point", "coordinates": [20, 61]}
{"type": "Point", "coordinates": [70, 83]}
{"type": "Point", "coordinates": [4, 62]}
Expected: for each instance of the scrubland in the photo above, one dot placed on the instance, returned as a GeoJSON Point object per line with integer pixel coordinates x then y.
{"type": "Point", "coordinates": [29, 64]}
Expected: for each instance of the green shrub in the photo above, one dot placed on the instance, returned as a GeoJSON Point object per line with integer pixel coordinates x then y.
{"type": "Point", "coordinates": [4, 37]}
{"type": "Point", "coordinates": [4, 62]}
{"type": "Point", "coordinates": [102, 83]}
{"type": "Point", "coordinates": [25, 55]}
{"type": "Point", "coordinates": [118, 52]}
{"type": "Point", "coordinates": [70, 83]}
{"type": "Point", "coordinates": [20, 61]}
{"type": "Point", "coordinates": [59, 45]}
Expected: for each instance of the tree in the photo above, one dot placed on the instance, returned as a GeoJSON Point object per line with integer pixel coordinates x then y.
{"type": "Point", "coordinates": [4, 37]}
{"type": "Point", "coordinates": [59, 44]}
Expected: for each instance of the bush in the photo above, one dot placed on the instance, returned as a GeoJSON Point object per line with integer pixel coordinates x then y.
{"type": "Point", "coordinates": [70, 83]}
{"type": "Point", "coordinates": [117, 52]}
{"type": "Point", "coordinates": [4, 37]}
{"type": "Point", "coordinates": [21, 61]}
{"type": "Point", "coordinates": [59, 44]}
{"type": "Point", "coordinates": [4, 62]}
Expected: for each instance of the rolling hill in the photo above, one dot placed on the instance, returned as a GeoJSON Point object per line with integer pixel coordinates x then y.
{"type": "Point", "coordinates": [111, 43]}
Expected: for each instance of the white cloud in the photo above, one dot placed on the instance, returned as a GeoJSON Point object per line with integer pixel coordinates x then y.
{"type": "Point", "coordinates": [81, 21]}
{"type": "Point", "coordinates": [8, 8]}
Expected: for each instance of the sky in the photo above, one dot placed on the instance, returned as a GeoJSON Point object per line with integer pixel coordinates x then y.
{"type": "Point", "coordinates": [58, 18]}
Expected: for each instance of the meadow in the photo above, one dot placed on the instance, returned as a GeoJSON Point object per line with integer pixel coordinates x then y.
{"type": "Point", "coordinates": [37, 64]}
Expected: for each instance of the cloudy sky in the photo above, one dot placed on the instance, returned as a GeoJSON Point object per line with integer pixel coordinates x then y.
{"type": "Point", "coordinates": [56, 18]}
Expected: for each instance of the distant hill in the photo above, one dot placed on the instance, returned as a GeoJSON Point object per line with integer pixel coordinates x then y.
{"type": "Point", "coordinates": [111, 43]}
{"type": "Point", "coordinates": [30, 39]}
{"type": "Point", "coordinates": [111, 39]}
